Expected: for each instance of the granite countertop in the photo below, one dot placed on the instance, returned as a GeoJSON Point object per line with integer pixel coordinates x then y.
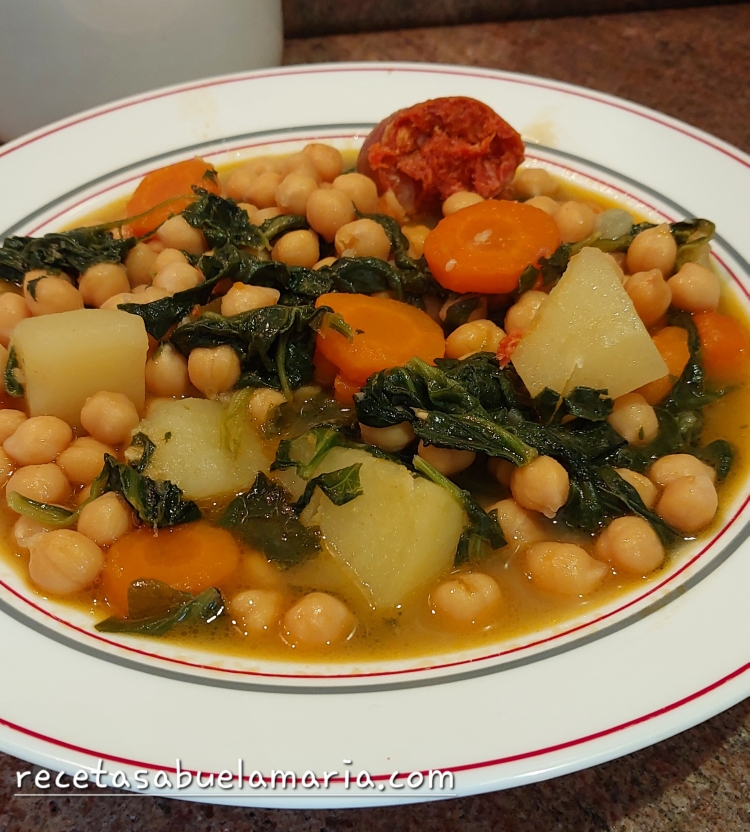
{"type": "Point", "coordinates": [693, 64]}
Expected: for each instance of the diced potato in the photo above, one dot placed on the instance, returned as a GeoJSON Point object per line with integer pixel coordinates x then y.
{"type": "Point", "coordinates": [69, 356]}
{"type": "Point", "coordinates": [397, 537]}
{"type": "Point", "coordinates": [588, 334]}
{"type": "Point", "coordinates": [190, 453]}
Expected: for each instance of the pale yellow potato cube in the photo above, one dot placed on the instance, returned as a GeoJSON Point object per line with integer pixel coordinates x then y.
{"type": "Point", "coordinates": [588, 334]}
{"type": "Point", "coordinates": [190, 451]}
{"type": "Point", "coordinates": [398, 537]}
{"type": "Point", "coordinates": [69, 356]}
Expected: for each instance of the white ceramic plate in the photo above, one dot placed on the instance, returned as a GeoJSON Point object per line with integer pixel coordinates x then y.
{"type": "Point", "coordinates": [620, 677]}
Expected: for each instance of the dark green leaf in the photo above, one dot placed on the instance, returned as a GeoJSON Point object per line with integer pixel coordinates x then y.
{"type": "Point", "coordinates": [459, 313]}
{"type": "Point", "coordinates": [49, 515]}
{"type": "Point", "coordinates": [223, 222]}
{"type": "Point", "coordinates": [719, 454]}
{"type": "Point", "coordinates": [265, 519]}
{"type": "Point", "coordinates": [140, 452]}
{"type": "Point", "coordinates": [306, 452]}
{"type": "Point", "coordinates": [292, 419]}
{"type": "Point", "coordinates": [181, 608]}
{"type": "Point", "coordinates": [158, 503]}
{"type": "Point", "coordinates": [340, 486]}
{"type": "Point", "coordinates": [12, 385]}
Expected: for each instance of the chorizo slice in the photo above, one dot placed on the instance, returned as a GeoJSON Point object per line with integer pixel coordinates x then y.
{"type": "Point", "coordinates": [429, 151]}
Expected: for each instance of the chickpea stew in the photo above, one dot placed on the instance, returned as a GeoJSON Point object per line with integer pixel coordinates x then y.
{"type": "Point", "coordinates": [303, 411]}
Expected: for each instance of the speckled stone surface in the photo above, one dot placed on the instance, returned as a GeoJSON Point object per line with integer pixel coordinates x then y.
{"type": "Point", "coordinates": [694, 65]}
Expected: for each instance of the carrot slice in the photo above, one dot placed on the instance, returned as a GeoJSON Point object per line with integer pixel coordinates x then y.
{"type": "Point", "coordinates": [672, 343]}
{"type": "Point", "coordinates": [174, 183]}
{"type": "Point", "coordinates": [387, 333]}
{"type": "Point", "coordinates": [190, 558]}
{"type": "Point", "coordinates": [344, 389]}
{"type": "Point", "coordinates": [486, 247]}
{"type": "Point", "coordinates": [725, 346]}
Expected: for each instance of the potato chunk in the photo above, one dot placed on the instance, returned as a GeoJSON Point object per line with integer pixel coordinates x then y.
{"type": "Point", "coordinates": [69, 356]}
{"type": "Point", "coordinates": [588, 334]}
{"type": "Point", "coordinates": [397, 537]}
{"type": "Point", "coordinates": [190, 453]}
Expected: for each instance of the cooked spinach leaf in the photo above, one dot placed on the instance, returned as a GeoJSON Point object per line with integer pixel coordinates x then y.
{"type": "Point", "coordinates": [459, 313]}
{"type": "Point", "coordinates": [140, 451]}
{"type": "Point", "coordinates": [265, 518]}
{"type": "Point", "coordinates": [67, 251]}
{"type": "Point", "coordinates": [155, 608]}
{"type": "Point", "coordinates": [306, 452]}
{"type": "Point", "coordinates": [48, 514]}
{"type": "Point", "coordinates": [582, 402]}
{"type": "Point", "coordinates": [157, 503]}
{"type": "Point", "coordinates": [275, 344]}
{"type": "Point", "coordinates": [13, 386]}
{"type": "Point", "coordinates": [719, 454]}
{"type": "Point", "coordinates": [340, 486]}
{"type": "Point", "coordinates": [292, 419]}
{"type": "Point", "coordinates": [482, 532]}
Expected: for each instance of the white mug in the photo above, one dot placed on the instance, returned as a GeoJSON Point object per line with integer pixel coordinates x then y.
{"type": "Point", "coordinates": [61, 56]}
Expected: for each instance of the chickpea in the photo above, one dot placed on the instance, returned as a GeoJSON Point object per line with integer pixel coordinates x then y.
{"type": "Point", "coordinates": [13, 309]}
{"type": "Point", "coordinates": [176, 232]}
{"type": "Point", "coordinates": [297, 248]}
{"type": "Point", "coordinates": [6, 465]}
{"type": "Point", "coordinates": [563, 568]}
{"type": "Point", "coordinates": [263, 214]}
{"type": "Point", "coordinates": [293, 192]}
{"type": "Point", "coordinates": [362, 238]}
{"type": "Point", "coordinates": [167, 372]}
{"type": "Point", "coordinates": [542, 485]}
{"type": "Point", "coordinates": [262, 164]}
{"type": "Point", "coordinates": [653, 248]}
{"type": "Point", "coordinates": [101, 281]}
{"type": "Point", "coordinates": [468, 599]}
{"type": "Point", "coordinates": [150, 293]}
{"type": "Point", "coordinates": [80, 497]}
{"type": "Point", "coordinates": [250, 209]}
{"type": "Point", "coordinates": [391, 439]}
{"type": "Point", "coordinates": [389, 204]}
{"type": "Point", "coordinates": [140, 265]}
{"type": "Point", "coordinates": [239, 184]}
{"type": "Point", "coordinates": [500, 469]}
{"type": "Point", "coordinates": [38, 439]}
{"type": "Point", "coordinates": [243, 297]}
{"type": "Point", "coordinates": [256, 611]}
{"type": "Point", "coordinates": [63, 562]}
{"type": "Point", "coordinates": [262, 402]}
{"type": "Point", "coordinates": [214, 370]}
{"type": "Point", "coordinates": [259, 572]}
{"type": "Point", "coordinates": [10, 421]}
{"type": "Point", "coordinates": [675, 466]}
{"type": "Point", "coordinates": [109, 417]}
{"type": "Point", "coordinates": [318, 619]}
{"type": "Point", "coordinates": [82, 461]}
{"type": "Point", "coordinates": [521, 315]}
{"type": "Point", "coordinates": [105, 519]}
{"type": "Point", "coordinates": [360, 189]}
{"type": "Point", "coordinates": [262, 192]}
{"type": "Point", "coordinates": [643, 485]}
{"type": "Point", "coordinates": [544, 203]}
{"type": "Point", "coordinates": [477, 314]}
{"type": "Point", "coordinates": [167, 257]}
{"type": "Point", "coordinates": [447, 461]}
{"type": "Point", "coordinates": [631, 545]}
{"type": "Point", "coordinates": [688, 504]}
{"type": "Point", "coordinates": [459, 200]}
{"type": "Point", "coordinates": [575, 221]}
{"type": "Point", "coordinates": [123, 297]}
{"type": "Point", "coordinates": [325, 262]}
{"type": "Point", "coordinates": [47, 295]}
{"type": "Point", "coordinates": [302, 164]}
{"type": "Point", "coordinates": [328, 210]}
{"type": "Point", "coordinates": [650, 294]}
{"type": "Point", "coordinates": [520, 526]}
{"type": "Point", "coordinates": [326, 159]}
{"type": "Point", "coordinates": [533, 182]}
{"type": "Point", "coordinates": [416, 235]}
{"type": "Point", "coordinates": [44, 483]}
{"type": "Point", "coordinates": [177, 277]}
{"type": "Point", "coordinates": [24, 529]}
{"type": "Point", "coordinates": [478, 336]}
{"type": "Point", "coordinates": [634, 419]}
{"type": "Point", "coordinates": [695, 289]}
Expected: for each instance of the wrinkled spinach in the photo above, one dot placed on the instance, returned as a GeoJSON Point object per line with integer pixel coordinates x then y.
{"type": "Point", "coordinates": [49, 515]}
{"type": "Point", "coordinates": [292, 419]}
{"type": "Point", "coordinates": [154, 608]}
{"type": "Point", "coordinates": [13, 386]}
{"type": "Point", "coordinates": [158, 503]}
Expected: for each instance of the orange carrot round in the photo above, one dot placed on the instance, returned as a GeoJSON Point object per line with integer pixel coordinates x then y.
{"type": "Point", "coordinates": [173, 182]}
{"type": "Point", "coordinates": [190, 558]}
{"type": "Point", "coordinates": [387, 333]}
{"type": "Point", "coordinates": [486, 247]}
{"type": "Point", "coordinates": [344, 389]}
{"type": "Point", "coordinates": [672, 343]}
{"type": "Point", "coordinates": [725, 346]}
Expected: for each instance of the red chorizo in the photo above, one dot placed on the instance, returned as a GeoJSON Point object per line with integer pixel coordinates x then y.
{"type": "Point", "coordinates": [429, 151]}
